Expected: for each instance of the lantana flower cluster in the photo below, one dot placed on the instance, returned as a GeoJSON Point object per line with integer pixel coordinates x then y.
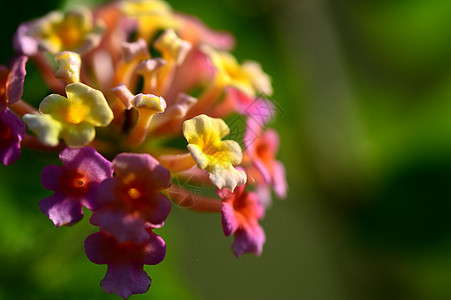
{"type": "Point", "coordinates": [138, 102]}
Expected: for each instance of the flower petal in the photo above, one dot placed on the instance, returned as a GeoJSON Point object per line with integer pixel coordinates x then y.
{"type": "Point", "coordinates": [69, 66]}
{"type": "Point", "coordinates": [46, 128]}
{"type": "Point", "coordinates": [229, 222]}
{"type": "Point", "coordinates": [125, 280]}
{"type": "Point", "coordinates": [226, 176]}
{"type": "Point", "coordinates": [132, 164]}
{"type": "Point", "coordinates": [50, 177]}
{"type": "Point", "coordinates": [250, 240]}
{"type": "Point", "coordinates": [155, 249]}
{"type": "Point", "coordinates": [279, 180]}
{"type": "Point", "coordinates": [99, 113]}
{"type": "Point", "coordinates": [12, 132]}
{"type": "Point", "coordinates": [124, 227]}
{"type": "Point", "coordinates": [52, 104]}
{"type": "Point", "coordinates": [100, 248]}
{"type": "Point", "coordinates": [61, 210]}
{"type": "Point", "coordinates": [203, 129]}
{"type": "Point", "coordinates": [16, 80]}
{"type": "Point", "coordinates": [23, 43]}
{"type": "Point", "coordinates": [78, 135]}
{"type": "Point", "coordinates": [159, 211]}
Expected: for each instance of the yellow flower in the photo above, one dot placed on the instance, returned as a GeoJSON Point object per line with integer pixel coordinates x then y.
{"type": "Point", "coordinates": [152, 15]}
{"type": "Point", "coordinates": [72, 118]}
{"type": "Point", "coordinates": [69, 66]}
{"type": "Point", "coordinates": [248, 77]}
{"type": "Point", "coordinates": [73, 31]}
{"type": "Point", "coordinates": [204, 136]}
{"type": "Point", "coordinates": [172, 47]}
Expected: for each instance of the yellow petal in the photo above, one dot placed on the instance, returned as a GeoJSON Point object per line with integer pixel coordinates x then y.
{"type": "Point", "coordinates": [203, 129]}
{"type": "Point", "coordinates": [78, 135]}
{"type": "Point", "coordinates": [226, 177]}
{"type": "Point", "coordinates": [149, 102]}
{"type": "Point", "coordinates": [259, 79]}
{"type": "Point", "coordinates": [89, 105]}
{"type": "Point", "coordinates": [229, 72]}
{"type": "Point", "coordinates": [152, 15]}
{"type": "Point", "coordinates": [73, 31]}
{"type": "Point", "coordinates": [204, 136]}
{"type": "Point", "coordinates": [46, 128]}
{"type": "Point", "coordinates": [69, 66]}
{"type": "Point", "coordinates": [172, 47]}
{"type": "Point", "coordinates": [136, 8]}
{"type": "Point", "coordinates": [72, 118]}
{"type": "Point", "coordinates": [53, 104]}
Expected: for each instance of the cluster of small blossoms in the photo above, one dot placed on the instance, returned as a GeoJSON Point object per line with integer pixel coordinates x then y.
{"type": "Point", "coordinates": [149, 79]}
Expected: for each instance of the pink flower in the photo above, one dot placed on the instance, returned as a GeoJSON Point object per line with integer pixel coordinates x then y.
{"type": "Point", "coordinates": [240, 214]}
{"type": "Point", "coordinates": [12, 132]}
{"type": "Point", "coordinates": [196, 32]}
{"type": "Point", "coordinates": [262, 151]}
{"type": "Point", "coordinates": [125, 275]}
{"type": "Point", "coordinates": [132, 198]}
{"type": "Point", "coordinates": [75, 184]}
{"type": "Point", "coordinates": [24, 44]}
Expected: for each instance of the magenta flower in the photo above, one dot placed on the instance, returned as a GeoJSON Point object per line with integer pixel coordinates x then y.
{"type": "Point", "coordinates": [12, 132]}
{"type": "Point", "coordinates": [125, 275]}
{"type": "Point", "coordinates": [132, 198]}
{"type": "Point", "coordinates": [240, 214]}
{"type": "Point", "coordinates": [75, 184]}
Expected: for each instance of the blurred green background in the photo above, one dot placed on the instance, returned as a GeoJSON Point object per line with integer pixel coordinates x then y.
{"type": "Point", "coordinates": [364, 89]}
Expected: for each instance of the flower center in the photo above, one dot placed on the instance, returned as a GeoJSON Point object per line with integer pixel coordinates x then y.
{"type": "Point", "coordinates": [69, 33]}
{"type": "Point", "coordinates": [263, 152]}
{"type": "Point", "coordinates": [134, 193]}
{"type": "Point", "coordinates": [74, 182]}
{"type": "Point", "coordinates": [3, 79]}
{"type": "Point", "coordinates": [76, 113]}
{"type": "Point", "coordinates": [5, 134]}
{"type": "Point", "coordinates": [78, 182]}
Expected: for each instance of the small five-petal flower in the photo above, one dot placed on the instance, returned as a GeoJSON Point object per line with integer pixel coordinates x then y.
{"type": "Point", "coordinates": [132, 198]}
{"type": "Point", "coordinates": [125, 275]}
{"type": "Point", "coordinates": [75, 184]}
{"type": "Point", "coordinates": [240, 214]}
{"type": "Point", "coordinates": [204, 136]}
{"type": "Point", "coordinates": [72, 118]}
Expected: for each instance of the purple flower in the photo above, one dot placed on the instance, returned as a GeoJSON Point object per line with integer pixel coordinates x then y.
{"type": "Point", "coordinates": [132, 198]}
{"type": "Point", "coordinates": [12, 132]}
{"type": "Point", "coordinates": [240, 214]}
{"type": "Point", "coordinates": [11, 82]}
{"type": "Point", "coordinates": [75, 184]}
{"type": "Point", "coordinates": [125, 275]}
